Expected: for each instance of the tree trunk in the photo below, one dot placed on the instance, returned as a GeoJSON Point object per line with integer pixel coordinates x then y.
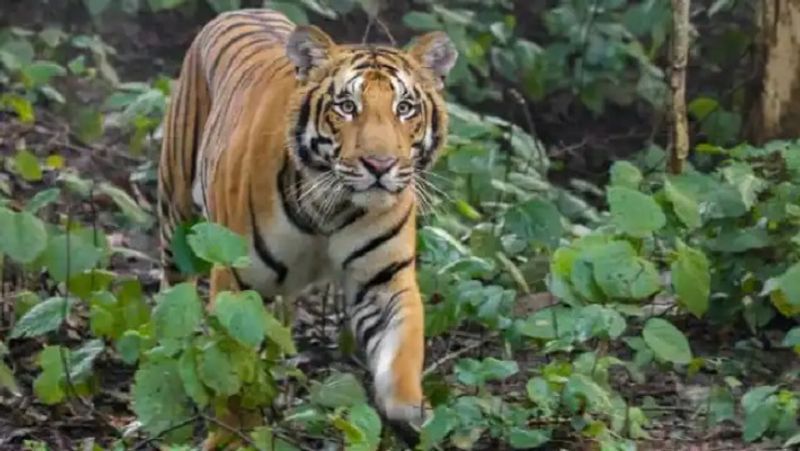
{"type": "Point", "coordinates": [776, 113]}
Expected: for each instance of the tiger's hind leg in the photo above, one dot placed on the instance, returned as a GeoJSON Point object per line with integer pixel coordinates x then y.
{"type": "Point", "coordinates": [233, 415]}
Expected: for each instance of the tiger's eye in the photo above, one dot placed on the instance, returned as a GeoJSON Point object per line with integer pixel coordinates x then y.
{"type": "Point", "coordinates": [404, 107]}
{"type": "Point", "coordinates": [347, 107]}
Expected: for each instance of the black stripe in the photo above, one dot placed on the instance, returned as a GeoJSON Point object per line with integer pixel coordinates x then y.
{"type": "Point", "coordinates": [229, 42]}
{"type": "Point", "coordinates": [242, 285]}
{"type": "Point", "coordinates": [383, 276]}
{"type": "Point", "coordinates": [387, 314]}
{"type": "Point", "coordinates": [261, 247]}
{"type": "Point", "coordinates": [377, 241]}
{"type": "Point", "coordinates": [301, 223]}
{"type": "Point", "coordinates": [354, 216]}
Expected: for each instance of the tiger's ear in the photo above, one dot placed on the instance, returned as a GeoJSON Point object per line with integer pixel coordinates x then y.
{"type": "Point", "coordinates": [436, 52]}
{"type": "Point", "coordinates": [308, 47]}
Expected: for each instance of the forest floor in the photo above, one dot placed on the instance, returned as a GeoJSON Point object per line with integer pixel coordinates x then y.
{"type": "Point", "coordinates": [675, 403]}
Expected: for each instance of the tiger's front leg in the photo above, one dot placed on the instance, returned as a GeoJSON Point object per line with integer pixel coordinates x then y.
{"type": "Point", "coordinates": [384, 308]}
{"type": "Point", "coordinates": [386, 317]}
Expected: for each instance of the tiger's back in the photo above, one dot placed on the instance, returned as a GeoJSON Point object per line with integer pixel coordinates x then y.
{"type": "Point", "coordinates": [223, 74]}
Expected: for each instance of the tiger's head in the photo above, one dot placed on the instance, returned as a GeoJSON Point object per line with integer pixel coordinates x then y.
{"type": "Point", "coordinates": [368, 119]}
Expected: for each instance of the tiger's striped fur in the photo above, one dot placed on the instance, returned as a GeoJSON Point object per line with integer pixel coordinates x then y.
{"type": "Point", "coordinates": [312, 149]}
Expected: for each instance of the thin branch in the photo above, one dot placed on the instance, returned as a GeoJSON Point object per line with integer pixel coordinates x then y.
{"type": "Point", "coordinates": [166, 431]}
{"type": "Point", "coordinates": [680, 56]}
{"type": "Point", "coordinates": [452, 356]}
{"type": "Point", "coordinates": [238, 433]}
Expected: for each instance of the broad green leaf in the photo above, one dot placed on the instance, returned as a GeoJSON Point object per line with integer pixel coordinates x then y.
{"type": "Point", "coordinates": [757, 422]}
{"type": "Point", "coordinates": [541, 324]}
{"type": "Point", "coordinates": [475, 372]}
{"type": "Point", "coordinates": [542, 395]}
{"type": "Point", "coordinates": [278, 333]}
{"type": "Point", "coordinates": [721, 405]}
{"type": "Point", "coordinates": [129, 346]}
{"type": "Point", "coordinates": [22, 235]}
{"type": "Point", "coordinates": [536, 221]}
{"type": "Point", "coordinates": [368, 422]}
{"type": "Point", "coordinates": [82, 359]}
{"type": "Point", "coordinates": [159, 400]}
{"type": "Point", "coordinates": [217, 244]}
{"type": "Point", "coordinates": [621, 274]}
{"type": "Point", "coordinates": [746, 182]}
{"type": "Point", "coordinates": [292, 10]}
{"type": "Point", "coordinates": [792, 441]}
{"type": "Point", "coordinates": [598, 321]}
{"type": "Point", "coordinates": [187, 369]}
{"type": "Point", "coordinates": [40, 72]}
{"type": "Point", "coordinates": [16, 53]}
{"type": "Point", "coordinates": [218, 371]}
{"type": "Point", "coordinates": [183, 255]}
{"type": "Point", "coordinates": [95, 7]}
{"type": "Point", "coordinates": [691, 279]}
{"type": "Point", "coordinates": [63, 263]}
{"type": "Point", "coordinates": [177, 312]}
{"type": "Point", "coordinates": [101, 321]}
{"type": "Point", "coordinates": [421, 21]}
{"type": "Point", "coordinates": [666, 341]}
{"type": "Point", "coordinates": [581, 390]}
{"type": "Point", "coordinates": [635, 213]}
{"type": "Point", "coordinates": [685, 205]}
{"type": "Point", "coordinates": [130, 208]}
{"type": "Point", "coordinates": [220, 6]}
{"type": "Point", "coordinates": [40, 200]}
{"type": "Point", "coordinates": [792, 338]}
{"type": "Point", "coordinates": [19, 105]}
{"type": "Point", "coordinates": [756, 396]}
{"type": "Point", "coordinates": [520, 438]}
{"type": "Point", "coordinates": [8, 381]}
{"type": "Point", "coordinates": [789, 284]}
{"type": "Point", "coordinates": [44, 317]}
{"type": "Point", "coordinates": [158, 5]}
{"type": "Point", "coordinates": [700, 107]}
{"type": "Point", "coordinates": [438, 426]}
{"type": "Point", "coordinates": [625, 174]}
{"type": "Point", "coordinates": [338, 390]}
{"type": "Point", "coordinates": [28, 166]}
{"type": "Point", "coordinates": [47, 386]}
{"type": "Point", "coordinates": [242, 315]}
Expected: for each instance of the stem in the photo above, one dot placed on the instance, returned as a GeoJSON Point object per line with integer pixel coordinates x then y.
{"type": "Point", "coordinates": [677, 84]}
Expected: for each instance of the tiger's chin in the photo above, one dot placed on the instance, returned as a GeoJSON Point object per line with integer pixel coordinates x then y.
{"type": "Point", "coordinates": [375, 199]}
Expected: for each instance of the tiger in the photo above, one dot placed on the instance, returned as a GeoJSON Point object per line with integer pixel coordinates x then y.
{"type": "Point", "coordinates": [311, 150]}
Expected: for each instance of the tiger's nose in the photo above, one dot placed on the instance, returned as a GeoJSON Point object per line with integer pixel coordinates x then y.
{"type": "Point", "coordinates": [378, 165]}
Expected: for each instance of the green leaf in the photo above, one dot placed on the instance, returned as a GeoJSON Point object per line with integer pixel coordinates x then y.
{"type": "Point", "coordinates": [40, 200]}
{"type": "Point", "coordinates": [129, 346]}
{"type": "Point", "coordinates": [183, 255]}
{"type": "Point", "coordinates": [368, 422]}
{"type": "Point", "coordinates": [95, 7]}
{"type": "Point", "coordinates": [685, 205]}
{"type": "Point", "coordinates": [19, 105]}
{"type": "Point", "coordinates": [536, 221]}
{"type": "Point", "coordinates": [475, 372]}
{"type": "Point", "coordinates": [421, 21]}
{"type": "Point", "coordinates": [8, 381]}
{"type": "Point", "coordinates": [126, 204]}
{"type": "Point", "coordinates": [221, 6]}
{"type": "Point", "coordinates": [792, 338]}
{"type": "Point", "coordinates": [82, 359]}
{"type": "Point", "coordinates": [41, 72]}
{"type": "Point", "coordinates": [242, 315]}
{"type": "Point", "coordinates": [721, 405]}
{"type": "Point", "coordinates": [625, 174]}
{"type": "Point", "coordinates": [701, 107]}
{"type": "Point", "coordinates": [158, 5]}
{"type": "Point", "coordinates": [634, 213]}
{"type": "Point", "coordinates": [338, 390]}
{"type": "Point", "coordinates": [159, 400]}
{"type": "Point", "coordinates": [187, 369]}
{"type": "Point", "coordinates": [101, 321]}
{"type": "Point", "coordinates": [217, 244]}
{"type": "Point", "coordinates": [789, 284]}
{"type": "Point", "coordinates": [666, 341]}
{"type": "Point", "coordinates": [279, 334]}
{"type": "Point", "coordinates": [44, 317]}
{"type": "Point", "coordinates": [22, 235]}
{"type": "Point", "coordinates": [178, 311]}
{"type": "Point", "coordinates": [293, 11]}
{"type": "Point", "coordinates": [691, 279]}
{"type": "Point", "coordinates": [520, 438]}
{"type": "Point", "coordinates": [218, 371]}
{"type": "Point", "coordinates": [757, 422]}
{"type": "Point", "coordinates": [621, 274]}
{"type": "Point", "coordinates": [28, 166]}
{"type": "Point", "coordinates": [47, 385]}
{"type": "Point", "coordinates": [63, 263]}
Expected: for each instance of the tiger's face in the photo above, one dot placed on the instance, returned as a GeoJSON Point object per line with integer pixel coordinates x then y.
{"type": "Point", "coordinates": [368, 119]}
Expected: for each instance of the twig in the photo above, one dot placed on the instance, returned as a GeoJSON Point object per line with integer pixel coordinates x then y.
{"type": "Point", "coordinates": [452, 356]}
{"type": "Point", "coordinates": [677, 84]}
{"type": "Point", "coordinates": [166, 431]}
{"type": "Point", "coordinates": [247, 440]}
